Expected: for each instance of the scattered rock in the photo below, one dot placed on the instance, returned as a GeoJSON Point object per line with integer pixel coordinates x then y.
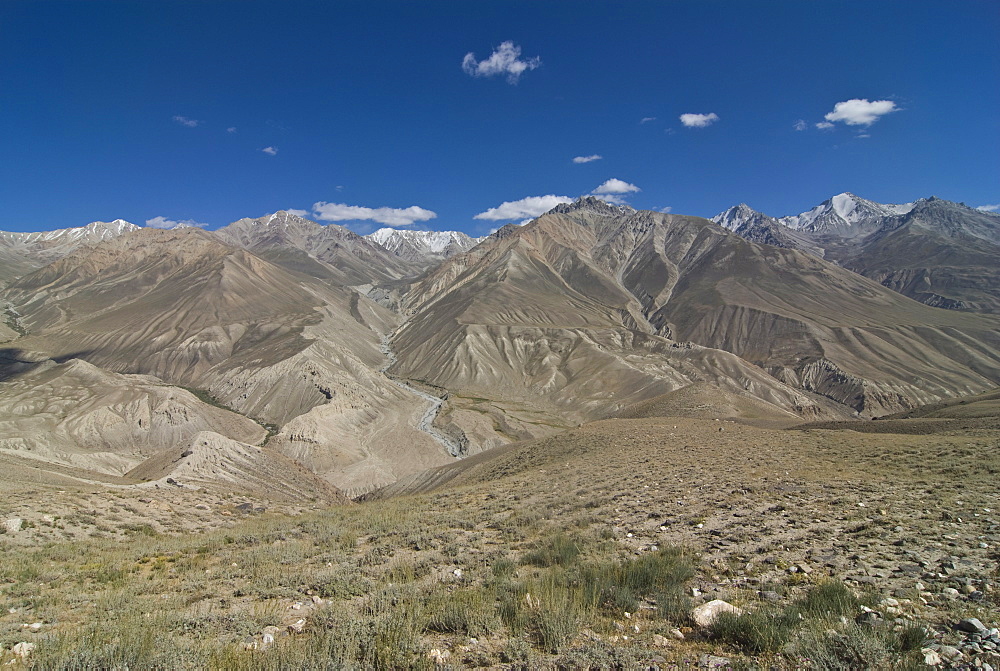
{"type": "Point", "coordinates": [706, 613]}
{"type": "Point", "coordinates": [297, 627]}
{"type": "Point", "coordinates": [660, 641]}
{"type": "Point", "coordinates": [438, 656]}
{"type": "Point", "coordinates": [23, 649]}
{"type": "Point", "coordinates": [971, 625]}
{"type": "Point", "coordinates": [931, 657]}
{"type": "Point", "coordinates": [714, 662]}
{"type": "Point", "coordinates": [13, 525]}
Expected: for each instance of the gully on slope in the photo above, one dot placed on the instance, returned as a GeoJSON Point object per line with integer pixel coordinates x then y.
{"type": "Point", "coordinates": [426, 423]}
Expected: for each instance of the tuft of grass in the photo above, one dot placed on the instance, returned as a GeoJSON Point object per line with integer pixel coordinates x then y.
{"type": "Point", "coordinates": [559, 550]}
{"type": "Point", "coordinates": [756, 632]}
{"type": "Point", "coordinates": [829, 598]}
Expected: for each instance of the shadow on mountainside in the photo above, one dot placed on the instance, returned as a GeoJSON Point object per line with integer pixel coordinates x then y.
{"type": "Point", "coordinates": [15, 362]}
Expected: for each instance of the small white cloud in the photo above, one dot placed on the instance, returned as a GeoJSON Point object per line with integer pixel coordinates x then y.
{"type": "Point", "coordinates": [231, 129]}
{"type": "Point", "coordinates": [505, 60]}
{"type": "Point", "coordinates": [800, 125]}
{"type": "Point", "coordinates": [270, 151]}
{"type": "Point", "coordinates": [824, 125]}
{"type": "Point", "coordinates": [860, 112]}
{"type": "Point", "coordinates": [389, 216]}
{"type": "Point", "coordinates": [647, 119]}
{"type": "Point", "coordinates": [616, 186]}
{"type": "Point", "coordinates": [862, 136]}
{"type": "Point", "coordinates": [988, 208]}
{"type": "Point", "coordinates": [163, 222]}
{"type": "Point", "coordinates": [665, 210]}
{"type": "Point", "coordinates": [699, 120]}
{"type": "Point", "coordinates": [530, 207]}
{"type": "Point", "coordinates": [297, 213]}
{"type": "Point", "coordinates": [184, 121]}
{"type": "Point", "coordinates": [587, 159]}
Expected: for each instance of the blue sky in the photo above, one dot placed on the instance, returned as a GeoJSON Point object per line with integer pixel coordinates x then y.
{"type": "Point", "coordinates": [209, 111]}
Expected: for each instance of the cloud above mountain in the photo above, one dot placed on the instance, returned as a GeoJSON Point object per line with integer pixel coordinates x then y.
{"type": "Point", "coordinates": [390, 216]}
{"type": "Point", "coordinates": [699, 120]}
{"type": "Point", "coordinates": [859, 112]}
{"type": "Point", "coordinates": [587, 159]}
{"type": "Point", "coordinates": [526, 208]}
{"type": "Point", "coordinates": [505, 60]}
{"type": "Point", "coordinates": [615, 185]}
{"type": "Point", "coordinates": [185, 121]}
{"type": "Point", "coordinates": [163, 222]}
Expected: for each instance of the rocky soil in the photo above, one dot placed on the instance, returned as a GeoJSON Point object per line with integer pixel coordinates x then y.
{"type": "Point", "coordinates": [909, 522]}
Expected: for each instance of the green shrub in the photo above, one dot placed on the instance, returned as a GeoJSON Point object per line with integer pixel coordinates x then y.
{"type": "Point", "coordinates": [829, 598]}
{"type": "Point", "coordinates": [756, 632]}
{"type": "Point", "coordinates": [559, 550]}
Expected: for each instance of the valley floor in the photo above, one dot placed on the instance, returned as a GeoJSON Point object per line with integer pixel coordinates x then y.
{"type": "Point", "coordinates": [588, 549]}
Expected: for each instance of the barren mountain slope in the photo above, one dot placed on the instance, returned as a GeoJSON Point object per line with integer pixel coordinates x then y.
{"type": "Point", "coordinates": [940, 253]}
{"type": "Point", "coordinates": [329, 252]}
{"type": "Point", "coordinates": [21, 253]}
{"type": "Point", "coordinates": [76, 414]}
{"type": "Point", "coordinates": [275, 345]}
{"type": "Point", "coordinates": [565, 301]}
{"type": "Point", "coordinates": [529, 331]}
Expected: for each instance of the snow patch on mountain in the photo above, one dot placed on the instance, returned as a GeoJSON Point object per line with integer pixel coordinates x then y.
{"type": "Point", "coordinates": [93, 232]}
{"type": "Point", "coordinates": [423, 245]}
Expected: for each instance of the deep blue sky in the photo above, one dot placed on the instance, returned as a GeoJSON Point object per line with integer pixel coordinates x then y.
{"type": "Point", "coordinates": [367, 105]}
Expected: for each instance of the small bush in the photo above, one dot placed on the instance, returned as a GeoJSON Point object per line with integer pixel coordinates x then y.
{"type": "Point", "coordinates": [756, 632]}
{"type": "Point", "coordinates": [471, 612]}
{"type": "Point", "coordinates": [829, 598]}
{"type": "Point", "coordinates": [560, 550]}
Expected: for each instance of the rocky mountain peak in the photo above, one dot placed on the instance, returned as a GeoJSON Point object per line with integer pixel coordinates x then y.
{"type": "Point", "coordinates": [594, 205]}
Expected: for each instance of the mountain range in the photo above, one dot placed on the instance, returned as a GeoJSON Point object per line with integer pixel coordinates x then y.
{"type": "Point", "coordinates": [937, 252]}
{"type": "Point", "coordinates": [135, 354]}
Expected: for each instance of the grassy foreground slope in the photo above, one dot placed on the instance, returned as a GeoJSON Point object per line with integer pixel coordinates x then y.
{"type": "Point", "coordinates": [586, 549]}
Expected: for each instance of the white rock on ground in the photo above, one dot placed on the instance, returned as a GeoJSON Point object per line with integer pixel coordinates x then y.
{"type": "Point", "coordinates": [705, 614]}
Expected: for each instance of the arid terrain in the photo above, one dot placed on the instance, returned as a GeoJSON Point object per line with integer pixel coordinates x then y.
{"type": "Point", "coordinates": [607, 438]}
{"type": "Point", "coordinates": [488, 565]}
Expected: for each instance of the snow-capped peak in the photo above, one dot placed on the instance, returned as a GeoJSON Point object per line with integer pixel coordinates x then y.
{"type": "Point", "coordinates": [95, 231]}
{"type": "Point", "coordinates": [843, 212]}
{"type": "Point", "coordinates": [423, 245]}
{"type": "Point", "coordinates": [737, 216]}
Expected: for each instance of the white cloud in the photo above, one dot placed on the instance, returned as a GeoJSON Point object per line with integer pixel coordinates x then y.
{"type": "Point", "coordinates": [699, 120]}
{"type": "Point", "coordinates": [163, 222]}
{"type": "Point", "coordinates": [506, 59]}
{"type": "Point", "coordinates": [860, 112]}
{"type": "Point", "coordinates": [665, 210]}
{"type": "Point", "coordinates": [270, 151]}
{"type": "Point", "coordinates": [184, 121]}
{"type": "Point", "coordinates": [297, 213]}
{"type": "Point", "coordinates": [824, 125]}
{"type": "Point", "coordinates": [587, 159]}
{"type": "Point", "coordinates": [800, 125]}
{"type": "Point", "coordinates": [389, 216]}
{"type": "Point", "coordinates": [530, 207]}
{"type": "Point", "coordinates": [647, 119]}
{"type": "Point", "coordinates": [616, 186]}
{"type": "Point", "coordinates": [988, 208]}
{"type": "Point", "coordinates": [231, 129]}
